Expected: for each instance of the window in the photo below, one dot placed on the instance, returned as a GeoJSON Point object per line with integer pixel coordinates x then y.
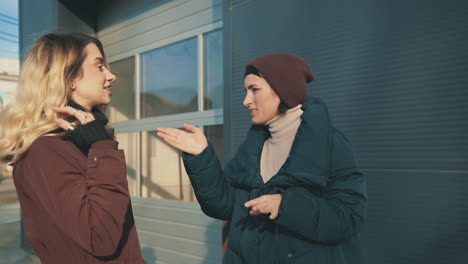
{"type": "Point", "coordinates": [129, 142]}
{"type": "Point", "coordinates": [170, 79]}
{"type": "Point", "coordinates": [122, 107]}
{"type": "Point", "coordinates": [166, 87]}
{"type": "Point", "coordinates": [162, 168]}
{"type": "Point", "coordinates": [213, 97]}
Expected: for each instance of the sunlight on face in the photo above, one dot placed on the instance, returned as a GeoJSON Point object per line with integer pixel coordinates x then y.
{"type": "Point", "coordinates": [94, 87]}
{"type": "Point", "coordinates": [261, 99]}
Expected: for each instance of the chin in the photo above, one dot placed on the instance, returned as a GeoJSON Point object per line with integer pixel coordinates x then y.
{"type": "Point", "coordinates": [106, 101]}
{"type": "Point", "coordinates": [257, 122]}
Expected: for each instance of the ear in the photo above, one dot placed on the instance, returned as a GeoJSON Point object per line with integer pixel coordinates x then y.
{"type": "Point", "coordinates": [73, 86]}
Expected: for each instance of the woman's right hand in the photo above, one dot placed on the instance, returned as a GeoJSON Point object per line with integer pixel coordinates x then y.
{"type": "Point", "coordinates": [81, 116]}
{"type": "Point", "coordinates": [191, 141]}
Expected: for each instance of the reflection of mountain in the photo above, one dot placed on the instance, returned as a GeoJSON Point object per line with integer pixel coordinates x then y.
{"type": "Point", "coordinates": [156, 105]}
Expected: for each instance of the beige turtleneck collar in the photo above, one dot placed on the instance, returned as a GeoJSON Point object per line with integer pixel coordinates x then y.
{"type": "Point", "coordinates": [283, 129]}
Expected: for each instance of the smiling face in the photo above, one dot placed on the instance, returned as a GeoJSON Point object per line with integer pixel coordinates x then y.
{"type": "Point", "coordinates": [261, 99]}
{"type": "Point", "coordinates": [94, 86]}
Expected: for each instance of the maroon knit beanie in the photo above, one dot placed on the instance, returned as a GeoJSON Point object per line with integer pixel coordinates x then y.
{"type": "Point", "coordinates": [287, 74]}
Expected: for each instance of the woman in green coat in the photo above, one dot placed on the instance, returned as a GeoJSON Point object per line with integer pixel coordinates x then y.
{"type": "Point", "coordinates": [293, 192]}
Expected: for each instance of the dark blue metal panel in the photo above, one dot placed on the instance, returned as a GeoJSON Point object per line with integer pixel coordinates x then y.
{"type": "Point", "coordinates": [394, 75]}
{"type": "Point", "coordinates": [417, 217]}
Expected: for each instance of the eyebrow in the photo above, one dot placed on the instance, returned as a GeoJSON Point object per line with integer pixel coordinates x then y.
{"type": "Point", "coordinates": [100, 59]}
{"type": "Point", "coordinates": [251, 86]}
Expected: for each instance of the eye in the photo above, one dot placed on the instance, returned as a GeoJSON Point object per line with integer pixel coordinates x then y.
{"type": "Point", "coordinates": [254, 90]}
{"type": "Point", "coordinates": [101, 67]}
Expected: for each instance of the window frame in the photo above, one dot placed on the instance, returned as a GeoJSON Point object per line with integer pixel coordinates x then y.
{"type": "Point", "coordinates": [200, 118]}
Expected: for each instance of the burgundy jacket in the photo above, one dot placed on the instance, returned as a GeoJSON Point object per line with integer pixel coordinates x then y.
{"type": "Point", "coordinates": [76, 209]}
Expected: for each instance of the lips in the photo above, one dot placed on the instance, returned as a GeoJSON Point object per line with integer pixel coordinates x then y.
{"type": "Point", "coordinates": [108, 88]}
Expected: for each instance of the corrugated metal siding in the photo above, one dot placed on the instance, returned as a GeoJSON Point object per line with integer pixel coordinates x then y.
{"type": "Point", "coordinates": [394, 75]}
{"type": "Point", "coordinates": [417, 217]}
{"type": "Point", "coordinates": [176, 232]}
{"type": "Point", "coordinates": [159, 25]}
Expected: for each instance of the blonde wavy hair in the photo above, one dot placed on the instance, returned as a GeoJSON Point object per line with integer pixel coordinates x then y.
{"type": "Point", "coordinates": [52, 64]}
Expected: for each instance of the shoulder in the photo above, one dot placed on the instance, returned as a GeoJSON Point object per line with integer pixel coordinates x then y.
{"type": "Point", "coordinates": [44, 144]}
{"type": "Point", "coordinates": [343, 153]}
{"type": "Point", "coordinates": [49, 149]}
{"type": "Point", "coordinates": [316, 114]}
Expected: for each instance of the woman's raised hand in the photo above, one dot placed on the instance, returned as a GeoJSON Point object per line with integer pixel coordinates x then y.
{"type": "Point", "coordinates": [81, 116]}
{"type": "Point", "coordinates": [191, 140]}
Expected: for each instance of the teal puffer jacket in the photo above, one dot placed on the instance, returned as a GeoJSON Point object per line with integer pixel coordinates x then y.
{"type": "Point", "coordinates": [324, 196]}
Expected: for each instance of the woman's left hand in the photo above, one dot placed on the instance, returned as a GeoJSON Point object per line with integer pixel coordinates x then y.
{"type": "Point", "coordinates": [265, 204]}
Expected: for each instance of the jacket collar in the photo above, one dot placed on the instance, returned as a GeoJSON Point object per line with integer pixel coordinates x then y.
{"type": "Point", "coordinates": [308, 162]}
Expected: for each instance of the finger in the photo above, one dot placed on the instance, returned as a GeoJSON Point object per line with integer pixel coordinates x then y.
{"type": "Point", "coordinates": [62, 123]}
{"type": "Point", "coordinates": [85, 117]}
{"type": "Point", "coordinates": [191, 128]}
{"type": "Point", "coordinates": [64, 110]}
{"type": "Point", "coordinates": [90, 117]}
{"type": "Point", "coordinates": [262, 208]}
{"type": "Point", "coordinates": [254, 212]}
{"type": "Point", "coordinates": [254, 202]}
{"type": "Point", "coordinates": [265, 210]}
{"type": "Point", "coordinates": [165, 136]}
{"type": "Point", "coordinates": [169, 131]}
{"type": "Point", "coordinates": [75, 123]}
{"type": "Point", "coordinates": [174, 143]}
{"type": "Point", "coordinates": [274, 214]}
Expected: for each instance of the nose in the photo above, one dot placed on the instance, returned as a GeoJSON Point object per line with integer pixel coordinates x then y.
{"type": "Point", "coordinates": [110, 76]}
{"type": "Point", "coordinates": [247, 99]}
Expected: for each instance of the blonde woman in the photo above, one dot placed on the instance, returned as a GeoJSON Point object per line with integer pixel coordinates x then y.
{"type": "Point", "coordinates": [69, 175]}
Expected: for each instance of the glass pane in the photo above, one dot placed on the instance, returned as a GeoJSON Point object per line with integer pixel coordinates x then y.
{"type": "Point", "coordinates": [215, 136]}
{"type": "Point", "coordinates": [128, 142]}
{"type": "Point", "coordinates": [122, 106]}
{"type": "Point", "coordinates": [162, 171]}
{"type": "Point", "coordinates": [170, 79]}
{"type": "Point", "coordinates": [162, 168]}
{"type": "Point", "coordinates": [213, 97]}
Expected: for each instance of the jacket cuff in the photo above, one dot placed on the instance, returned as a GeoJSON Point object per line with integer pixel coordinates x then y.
{"type": "Point", "coordinates": [87, 134]}
{"type": "Point", "coordinates": [286, 218]}
{"type": "Point", "coordinates": [195, 164]}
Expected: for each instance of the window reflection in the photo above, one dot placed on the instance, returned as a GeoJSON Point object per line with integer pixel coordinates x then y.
{"type": "Point", "coordinates": [170, 79]}
{"type": "Point", "coordinates": [122, 106]}
{"type": "Point", "coordinates": [162, 171]}
{"type": "Point", "coordinates": [128, 142]}
{"type": "Point", "coordinates": [213, 97]}
{"type": "Point", "coordinates": [162, 168]}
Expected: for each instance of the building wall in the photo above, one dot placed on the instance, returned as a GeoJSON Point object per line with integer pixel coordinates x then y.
{"type": "Point", "coordinates": [68, 22]}
{"type": "Point", "coordinates": [46, 16]}
{"type": "Point", "coordinates": [393, 74]}
{"type": "Point", "coordinates": [35, 19]}
{"type": "Point", "coordinates": [167, 23]}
